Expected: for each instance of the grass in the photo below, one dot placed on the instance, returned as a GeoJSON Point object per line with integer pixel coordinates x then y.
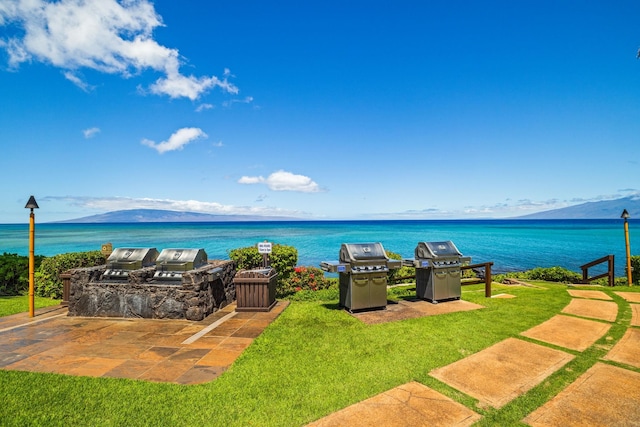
{"type": "Point", "coordinates": [19, 304]}
{"type": "Point", "coordinates": [313, 360]}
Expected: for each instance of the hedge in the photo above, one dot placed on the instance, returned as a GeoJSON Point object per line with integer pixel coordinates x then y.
{"type": "Point", "coordinates": [14, 273]}
{"type": "Point", "coordinates": [47, 278]}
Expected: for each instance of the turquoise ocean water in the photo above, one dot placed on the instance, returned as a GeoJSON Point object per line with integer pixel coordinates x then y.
{"type": "Point", "coordinates": [511, 245]}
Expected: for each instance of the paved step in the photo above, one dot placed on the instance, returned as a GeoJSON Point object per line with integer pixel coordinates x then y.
{"type": "Point", "coordinates": [568, 332]}
{"type": "Point", "coordinates": [605, 395]}
{"type": "Point", "coordinates": [408, 405]}
{"type": "Point", "coordinates": [502, 372]}
{"type": "Point", "coordinates": [603, 310]}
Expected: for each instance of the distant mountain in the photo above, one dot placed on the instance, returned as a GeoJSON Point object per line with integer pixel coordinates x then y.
{"type": "Point", "coordinates": [606, 209]}
{"type": "Point", "coordinates": [156, 215]}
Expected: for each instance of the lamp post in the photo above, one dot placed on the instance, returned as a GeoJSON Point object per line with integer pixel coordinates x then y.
{"type": "Point", "coordinates": [625, 216]}
{"type": "Point", "coordinates": [31, 204]}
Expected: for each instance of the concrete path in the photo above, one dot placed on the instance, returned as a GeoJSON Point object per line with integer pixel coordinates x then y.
{"type": "Point", "coordinates": [177, 351]}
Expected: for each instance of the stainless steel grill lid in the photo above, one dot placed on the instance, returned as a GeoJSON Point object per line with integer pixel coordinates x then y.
{"type": "Point", "coordinates": [435, 250]}
{"type": "Point", "coordinates": [132, 258]}
{"type": "Point", "coordinates": [181, 259]}
{"type": "Point", "coordinates": [355, 252]}
{"type": "Point", "coordinates": [123, 260]}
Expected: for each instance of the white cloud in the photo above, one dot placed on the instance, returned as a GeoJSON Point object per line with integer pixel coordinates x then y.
{"type": "Point", "coordinates": [177, 85]}
{"type": "Point", "coordinates": [107, 204]}
{"type": "Point", "coordinates": [245, 100]}
{"type": "Point", "coordinates": [177, 141]}
{"type": "Point", "coordinates": [203, 107]}
{"type": "Point", "coordinates": [78, 81]}
{"type": "Point", "coordinates": [91, 132]}
{"type": "Point", "coordinates": [109, 36]}
{"type": "Point", "coordinates": [251, 180]}
{"type": "Point", "coordinates": [284, 181]}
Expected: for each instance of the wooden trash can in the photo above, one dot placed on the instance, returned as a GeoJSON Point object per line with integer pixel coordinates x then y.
{"type": "Point", "coordinates": [255, 289]}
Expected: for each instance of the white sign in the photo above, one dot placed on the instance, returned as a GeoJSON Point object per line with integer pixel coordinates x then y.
{"type": "Point", "coordinates": [264, 247]}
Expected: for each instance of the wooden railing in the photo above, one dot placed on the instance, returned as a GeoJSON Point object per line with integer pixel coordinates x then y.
{"type": "Point", "coordinates": [465, 282]}
{"type": "Point", "coordinates": [610, 270]}
{"type": "Point", "coordinates": [487, 277]}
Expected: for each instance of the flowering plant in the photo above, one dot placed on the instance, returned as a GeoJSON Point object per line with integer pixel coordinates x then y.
{"type": "Point", "coordinates": [306, 278]}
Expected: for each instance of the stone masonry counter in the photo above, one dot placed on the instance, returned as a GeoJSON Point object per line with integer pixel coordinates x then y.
{"type": "Point", "coordinates": [200, 292]}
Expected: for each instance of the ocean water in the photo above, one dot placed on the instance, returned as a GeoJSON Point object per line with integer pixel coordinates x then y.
{"type": "Point", "coordinates": [512, 245]}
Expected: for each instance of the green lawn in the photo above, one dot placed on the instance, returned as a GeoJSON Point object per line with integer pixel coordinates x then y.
{"type": "Point", "coordinates": [20, 304]}
{"type": "Point", "coordinates": [313, 360]}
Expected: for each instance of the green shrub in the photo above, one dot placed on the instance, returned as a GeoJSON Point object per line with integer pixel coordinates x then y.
{"type": "Point", "coordinates": [395, 275]}
{"type": "Point", "coordinates": [554, 274]}
{"type": "Point", "coordinates": [283, 259]}
{"type": "Point", "coordinates": [47, 277]}
{"type": "Point", "coordinates": [548, 274]}
{"type": "Point", "coordinates": [469, 273]}
{"type": "Point", "coordinates": [14, 273]}
{"type": "Point", "coordinates": [635, 270]}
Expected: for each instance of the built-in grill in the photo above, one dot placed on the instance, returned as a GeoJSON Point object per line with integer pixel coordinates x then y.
{"type": "Point", "coordinates": [363, 269]}
{"type": "Point", "coordinates": [438, 274]}
{"type": "Point", "coordinates": [124, 260]}
{"type": "Point", "coordinates": [172, 263]}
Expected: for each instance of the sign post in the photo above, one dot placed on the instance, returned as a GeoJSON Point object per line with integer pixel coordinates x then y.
{"type": "Point", "coordinates": [264, 248]}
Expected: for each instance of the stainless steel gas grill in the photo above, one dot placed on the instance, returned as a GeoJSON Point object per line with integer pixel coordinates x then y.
{"type": "Point", "coordinates": [438, 274]}
{"type": "Point", "coordinates": [172, 263]}
{"type": "Point", "coordinates": [124, 260]}
{"type": "Point", "coordinates": [363, 269]}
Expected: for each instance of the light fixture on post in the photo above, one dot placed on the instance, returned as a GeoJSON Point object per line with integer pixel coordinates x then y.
{"type": "Point", "coordinates": [31, 204]}
{"type": "Point", "coordinates": [625, 216]}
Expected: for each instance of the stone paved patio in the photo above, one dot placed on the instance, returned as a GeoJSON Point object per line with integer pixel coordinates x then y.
{"type": "Point", "coordinates": [178, 351]}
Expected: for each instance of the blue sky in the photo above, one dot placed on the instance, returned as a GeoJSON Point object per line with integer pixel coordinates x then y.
{"type": "Point", "coordinates": [317, 109]}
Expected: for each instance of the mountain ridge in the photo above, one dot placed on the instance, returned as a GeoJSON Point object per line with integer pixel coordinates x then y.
{"type": "Point", "coordinates": [605, 209]}
{"type": "Point", "coordinates": [160, 215]}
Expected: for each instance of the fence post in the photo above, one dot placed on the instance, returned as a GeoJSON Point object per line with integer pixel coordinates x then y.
{"type": "Point", "coordinates": [487, 279]}
{"type": "Point", "coordinates": [611, 271]}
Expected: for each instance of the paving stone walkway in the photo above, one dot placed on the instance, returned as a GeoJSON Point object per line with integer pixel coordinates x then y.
{"type": "Point", "coordinates": [605, 395]}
